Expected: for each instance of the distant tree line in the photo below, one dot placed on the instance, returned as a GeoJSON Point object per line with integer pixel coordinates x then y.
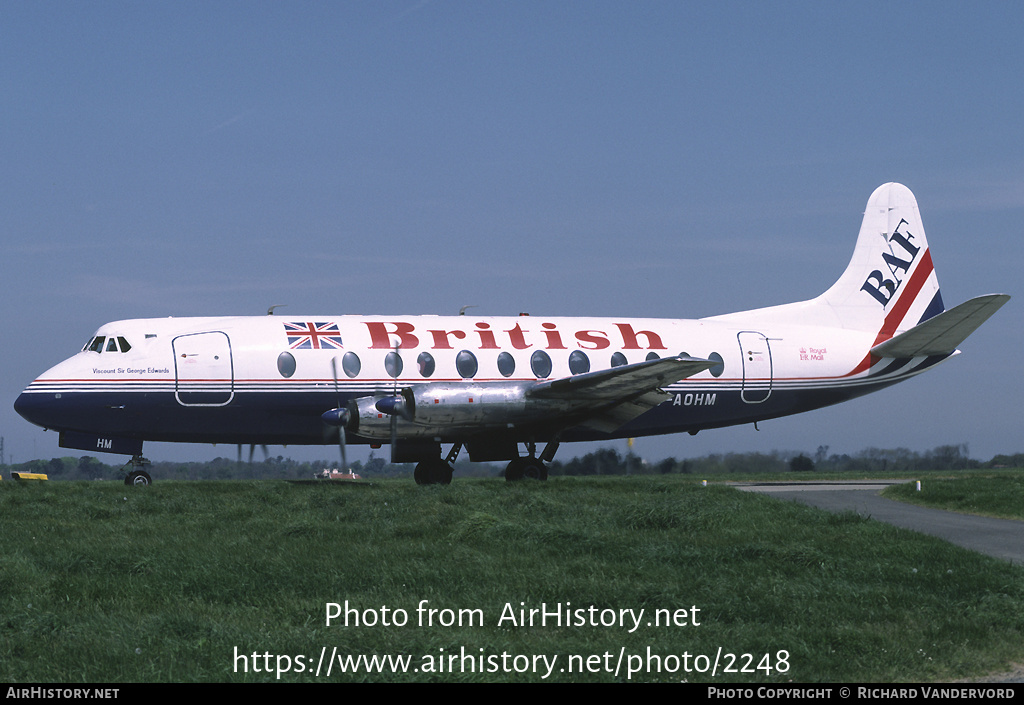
{"type": "Point", "coordinates": [604, 461]}
{"type": "Point", "coordinates": [601, 461]}
{"type": "Point", "coordinates": [280, 468]}
{"type": "Point", "coordinates": [948, 457]}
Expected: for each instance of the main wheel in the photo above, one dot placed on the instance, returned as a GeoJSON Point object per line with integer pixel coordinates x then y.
{"type": "Point", "coordinates": [535, 469]}
{"type": "Point", "coordinates": [526, 469]}
{"type": "Point", "coordinates": [433, 472]}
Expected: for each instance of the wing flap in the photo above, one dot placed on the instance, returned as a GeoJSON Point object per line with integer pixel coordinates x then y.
{"type": "Point", "coordinates": [612, 398]}
{"type": "Point", "coordinates": [612, 418]}
{"type": "Point", "coordinates": [941, 334]}
{"type": "Point", "coordinates": [621, 383]}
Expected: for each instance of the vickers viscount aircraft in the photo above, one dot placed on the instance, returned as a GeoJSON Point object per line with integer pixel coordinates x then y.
{"type": "Point", "coordinates": [493, 384]}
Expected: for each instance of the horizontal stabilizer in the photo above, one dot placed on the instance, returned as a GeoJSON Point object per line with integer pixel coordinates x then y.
{"type": "Point", "coordinates": [941, 334]}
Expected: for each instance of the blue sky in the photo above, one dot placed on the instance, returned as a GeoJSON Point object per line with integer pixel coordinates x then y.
{"type": "Point", "coordinates": [673, 159]}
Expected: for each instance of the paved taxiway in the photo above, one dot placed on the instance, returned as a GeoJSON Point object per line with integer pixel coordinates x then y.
{"type": "Point", "coordinates": [1001, 538]}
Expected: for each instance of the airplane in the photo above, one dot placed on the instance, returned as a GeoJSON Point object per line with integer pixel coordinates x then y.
{"type": "Point", "coordinates": [493, 384]}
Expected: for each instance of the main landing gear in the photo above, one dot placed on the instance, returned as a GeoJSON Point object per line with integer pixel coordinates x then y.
{"type": "Point", "coordinates": [433, 472]}
{"type": "Point", "coordinates": [137, 476]}
{"type": "Point", "coordinates": [531, 467]}
{"type": "Point", "coordinates": [438, 471]}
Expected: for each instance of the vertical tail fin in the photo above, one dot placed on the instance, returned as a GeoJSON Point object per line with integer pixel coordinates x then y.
{"type": "Point", "coordinates": [888, 287]}
{"type": "Point", "coordinates": [888, 290]}
{"type": "Point", "coordinates": [890, 284]}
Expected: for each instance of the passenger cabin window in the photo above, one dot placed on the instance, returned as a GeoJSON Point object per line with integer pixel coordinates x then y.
{"type": "Point", "coordinates": [506, 364]}
{"type": "Point", "coordinates": [466, 364]}
{"type": "Point", "coordinates": [425, 361]}
{"type": "Point", "coordinates": [579, 363]}
{"type": "Point", "coordinates": [718, 369]}
{"type": "Point", "coordinates": [618, 360]}
{"type": "Point", "coordinates": [286, 364]}
{"type": "Point", "coordinates": [393, 364]}
{"type": "Point", "coordinates": [540, 363]}
{"type": "Point", "coordinates": [350, 363]}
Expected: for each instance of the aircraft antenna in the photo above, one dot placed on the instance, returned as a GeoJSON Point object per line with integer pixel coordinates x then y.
{"type": "Point", "coordinates": [270, 311]}
{"type": "Point", "coordinates": [462, 311]}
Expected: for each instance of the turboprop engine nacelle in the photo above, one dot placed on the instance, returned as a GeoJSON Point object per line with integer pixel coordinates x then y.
{"type": "Point", "coordinates": [431, 409]}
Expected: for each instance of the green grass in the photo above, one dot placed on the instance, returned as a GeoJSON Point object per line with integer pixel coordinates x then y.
{"type": "Point", "coordinates": [104, 583]}
{"type": "Point", "coordinates": [994, 494]}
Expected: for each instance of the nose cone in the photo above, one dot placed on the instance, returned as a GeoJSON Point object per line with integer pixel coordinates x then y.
{"type": "Point", "coordinates": [45, 402]}
{"type": "Point", "coordinates": [32, 408]}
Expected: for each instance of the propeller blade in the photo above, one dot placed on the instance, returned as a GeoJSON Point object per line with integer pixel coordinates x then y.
{"type": "Point", "coordinates": [394, 435]}
{"type": "Point", "coordinates": [396, 402]}
{"type": "Point", "coordinates": [337, 389]}
{"type": "Point", "coordinates": [338, 416]}
{"type": "Point", "coordinates": [341, 448]}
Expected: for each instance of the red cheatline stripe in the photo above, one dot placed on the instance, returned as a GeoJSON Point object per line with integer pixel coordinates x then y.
{"type": "Point", "coordinates": [899, 310]}
{"type": "Point", "coordinates": [914, 286]}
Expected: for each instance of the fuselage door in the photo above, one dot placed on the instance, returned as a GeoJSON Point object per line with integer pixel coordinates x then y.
{"type": "Point", "coordinates": [757, 367]}
{"type": "Point", "coordinates": [204, 374]}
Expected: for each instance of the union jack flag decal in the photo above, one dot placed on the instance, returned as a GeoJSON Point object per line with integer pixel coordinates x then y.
{"type": "Point", "coordinates": [313, 336]}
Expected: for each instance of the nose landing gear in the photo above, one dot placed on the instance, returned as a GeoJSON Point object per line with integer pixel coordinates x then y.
{"type": "Point", "coordinates": [137, 476]}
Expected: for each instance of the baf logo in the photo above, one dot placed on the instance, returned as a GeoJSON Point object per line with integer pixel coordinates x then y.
{"type": "Point", "coordinates": [882, 288]}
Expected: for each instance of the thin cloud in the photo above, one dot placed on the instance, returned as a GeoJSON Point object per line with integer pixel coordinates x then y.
{"type": "Point", "coordinates": [227, 123]}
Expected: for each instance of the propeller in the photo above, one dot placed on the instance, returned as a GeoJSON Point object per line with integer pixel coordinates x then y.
{"type": "Point", "coordinates": [393, 406]}
{"type": "Point", "coordinates": [252, 451]}
{"type": "Point", "coordinates": [395, 403]}
{"type": "Point", "coordinates": [338, 416]}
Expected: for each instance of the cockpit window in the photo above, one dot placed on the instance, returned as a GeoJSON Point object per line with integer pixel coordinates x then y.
{"type": "Point", "coordinates": [102, 343]}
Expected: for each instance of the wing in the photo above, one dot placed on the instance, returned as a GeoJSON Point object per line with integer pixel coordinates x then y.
{"type": "Point", "coordinates": [941, 334]}
{"type": "Point", "coordinates": [620, 394]}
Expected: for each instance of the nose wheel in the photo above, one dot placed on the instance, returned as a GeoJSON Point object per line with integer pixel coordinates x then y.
{"type": "Point", "coordinates": [137, 476]}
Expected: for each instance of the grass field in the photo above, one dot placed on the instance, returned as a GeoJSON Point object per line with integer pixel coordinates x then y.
{"type": "Point", "coordinates": [225, 581]}
{"type": "Point", "coordinates": [994, 494]}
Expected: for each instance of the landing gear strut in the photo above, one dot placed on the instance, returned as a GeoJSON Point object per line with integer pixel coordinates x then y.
{"type": "Point", "coordinates": [137, 476]}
